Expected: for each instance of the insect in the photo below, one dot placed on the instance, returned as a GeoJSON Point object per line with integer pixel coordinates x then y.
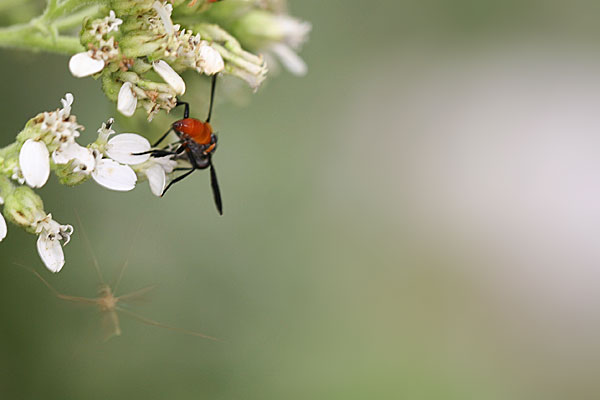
{"type": "Point", "coordinates": [110, 305]}
{"type": "Point", "coordinates": [197, 142]}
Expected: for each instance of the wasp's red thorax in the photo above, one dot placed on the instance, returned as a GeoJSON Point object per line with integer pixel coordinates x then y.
{"type": "Point", "coordinates": [199, 131]}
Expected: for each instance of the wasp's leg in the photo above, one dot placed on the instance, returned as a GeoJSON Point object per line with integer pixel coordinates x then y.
{"type": "Point", "coordinates": [162, 137]}
{"type": "Point", "coordinates": [186, 110]}
{"type": "Point", "coordinates": [174, 181]}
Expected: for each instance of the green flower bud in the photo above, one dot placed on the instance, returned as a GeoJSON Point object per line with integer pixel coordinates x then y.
{"type": "Point", "coordinates": [23, 207]}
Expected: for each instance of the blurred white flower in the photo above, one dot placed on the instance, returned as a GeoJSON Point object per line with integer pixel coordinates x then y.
{"type": "Point", "coordinates": [51, 233]}
{"type": "Point", "coordinates": [34, 163]}
{"type": "Point", "coordinates": [293, 31]}
{"type": "Point", "coordinates": [127, 100]}
{"type": "Point", "coordinates": [290, 60]}
{"type": "Point", "coordinates": [169, 75]}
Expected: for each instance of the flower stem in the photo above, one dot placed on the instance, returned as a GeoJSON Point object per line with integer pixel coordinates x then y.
{"type": "Point", "coordinates": [28, 37]}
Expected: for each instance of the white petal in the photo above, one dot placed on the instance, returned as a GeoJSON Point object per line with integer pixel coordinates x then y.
{"type": "Point", "coordinates": [290, 59]}
{"type": "Point", "coordinates": [51, 253]}
{"type": "Point", "coordinates": [165, 15]}
{"type": "Point", "coordinates": [114, 176]}
{"type": "Point", "coordinates": [157, 179]}
{"type": "Point", "coordinates": [84, 157]}
{"type": "Point", "coordinates": [169, 75]}
{"type": "Point", "coordinates": [166, 163]}
{"type": "Point", "coordinates": [294, 31]}
{"type": "Point", "coordinates": [121, 147]}
{"type": "Point", "coordinates": [212, 62]}
{"type": "Point", "coordinates": [127, 101]}
{"type": "Point", "coordinates": [35, 163]}
{"type": "Point", "coordinates": [3, 227]}
{"type": "Point", "coordinates": [67, 102]}
{"type": "Point", "coordinates": [82, 64]}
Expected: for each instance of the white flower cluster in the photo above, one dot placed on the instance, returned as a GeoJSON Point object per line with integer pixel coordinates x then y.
{"type": "Point", "coordinates": [181, 48]}
{"type": "Point", "coordinates": [107, 161]}
{"type": "Point", "coordinates": [94, 60]}
{"type": "Point", "coordinates": [50, 235]}
{"type": "Point", "coordinates": [189, 49]}
{"type": "Point", "coordinates": [48, 142]}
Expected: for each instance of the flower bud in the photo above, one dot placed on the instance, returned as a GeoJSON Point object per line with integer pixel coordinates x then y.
{"type": "Point", "coordinates": [23, 207]}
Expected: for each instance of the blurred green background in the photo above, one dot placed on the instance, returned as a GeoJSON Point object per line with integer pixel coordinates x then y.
{"type": "Point", "coordinates": [415, 219]}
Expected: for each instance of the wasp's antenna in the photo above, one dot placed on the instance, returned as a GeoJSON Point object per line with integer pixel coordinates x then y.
{"type": "Point", "coordinates": [90, 249]}
{"type": "Point", "coordinates": [156, 323]}
{"type": "Point", "coordinates": [215, 188]}
{"type": "Point", "coordinates": [213, 85]}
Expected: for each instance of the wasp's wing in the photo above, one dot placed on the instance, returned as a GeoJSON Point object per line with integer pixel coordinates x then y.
{"type": "Point", "coordinates": [215, 188]}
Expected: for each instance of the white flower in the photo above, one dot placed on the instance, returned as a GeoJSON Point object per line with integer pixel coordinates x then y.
{"type": "Point", "coordinates": [294, 31]}
{"type": "Point", "coordinates": [2, 227]}
{"type": "Point", "coordinates": [112, 22]}
{"type": "Point", "coordinates": [289, 59]}
{"type": "Point", "coordinates": [169, 75]}
{"type": "Point", "coordinates": [34, 163]}
{"type": "Point", "coordinates": [121, 148]}
{"type": "Point", "coordinates": [156, 171]}
{"type": "Point", "coordinates": [113, 175]}
{"type": "Point", "coordinates": [83, 64]}
{"type": "Point", "coordinates": [210, 60]}
{"type": "Point", "coordinates": [84, 160]}
{"type": "Point", "coordinates": [127, 100]}
{"type": "Point", "coordinates": [60, 126]}
{"type": "Point", "coordinates": [164, 12]}
{"type": "Point", "coordinates": [67, 102]}
{"type": "Point", "coordinates": [51, 233]}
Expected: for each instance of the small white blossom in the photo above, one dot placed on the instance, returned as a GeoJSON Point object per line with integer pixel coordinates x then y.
{"type": "Point", "coordinates": [121, 148]}
{"type": "Point", "coordinates": [106, 130]}
{"type": "Point", "coordinates": [164, 12]}
{"type": "Point", "coordinates": [211, 61]}
{"type": "Point", "coordinates": [293, 31]}
{"type": "Point", "coordinates": [51, 233]}
{"type": "Point", "coordinates": [289, 59]}
{"type": "Point", "coordinates": [127, 100]}
{"type": "Point", "coordinates": [102, 27]}
{"type": "Point", "coordinates": [83, 64]}
{"type": "Point", "coordinates": [60, 124]}
{"type": "Point", "coordinates": [2, 227]}
{"type": "Point", "coordinates": [84, 160]}
{"type": "Point", "coordinates": [156, 171]}
{"type": "Point", "coordinates": [113, 175]}
{"type": "Point", "coordinates": [169, 75]}
{"type": "Point", "coordinates": [34, 163]}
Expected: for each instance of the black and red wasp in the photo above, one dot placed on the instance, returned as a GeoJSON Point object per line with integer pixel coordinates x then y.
{"type": "Point", "coordinates": [197, 142]}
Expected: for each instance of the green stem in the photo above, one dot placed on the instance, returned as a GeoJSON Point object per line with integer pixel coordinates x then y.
{"type": "Point", "coordinates": [74, 20]}
{"type": "Point", "coordinates": [57, 9]}
{"type": "Point", "coordinates": [28, 37]}
{"type": "Point", "coordinates": [6, 186]}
